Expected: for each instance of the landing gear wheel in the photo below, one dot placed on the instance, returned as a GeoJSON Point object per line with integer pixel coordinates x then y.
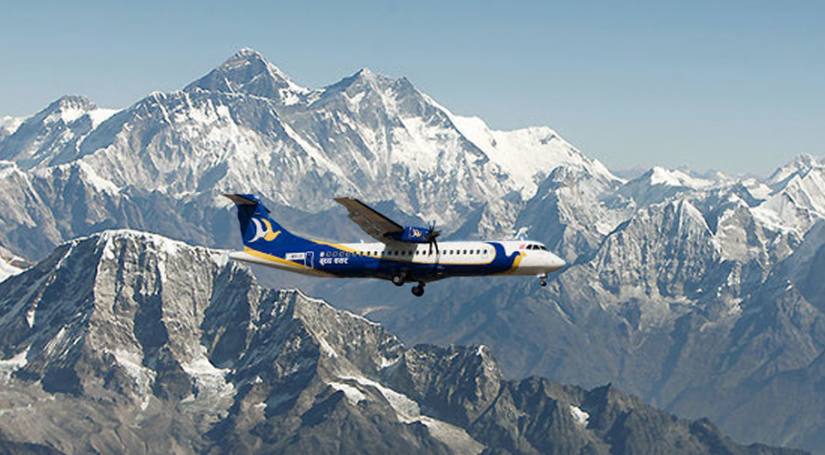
{"type": "Point", "coordinates": [418, 290]}
{"type": "Point", "coordinates": [398, 280]}
{"type": "Point", "coordinates": [543, 283]}
{"type": "Point", "coordinates": [543, 280]}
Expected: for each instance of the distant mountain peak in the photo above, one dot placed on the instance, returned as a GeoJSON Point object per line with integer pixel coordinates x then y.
{"type": "Point", "coordinates": [247, 56]}
{"type": "Point", "coordinates": [658, 175]}
{"type": "Point", "coordinates": [363, 79]}
{"type": "Point", "coordinates": [799, 165]}
{"type": "Point", "coordinates": [67, 108]}
{"type": "Point", "coordinates": [248, 52]}
{"type": "Point", "coordinates": [365, 72]}
{"type": "Point", "coordinates": [247, 71]}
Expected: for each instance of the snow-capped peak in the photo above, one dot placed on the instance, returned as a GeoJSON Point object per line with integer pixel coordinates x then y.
{"type": "Point", "coordinates": [528, 154]}
{"type": "Point", "coordinates": [671, 177]}
{"type": "Point", "coordinates": [247, 71]}
{"type": "Point", "coordinates": [68, 109]}
{"type": "Point", "coordinates": [799, 165]}
{"type": "Point", "coordinates": [358, 81]}
{"type": "Point", "coordinates": [798, 197]}
{"type": "Point", "coordinates": [9, 124]}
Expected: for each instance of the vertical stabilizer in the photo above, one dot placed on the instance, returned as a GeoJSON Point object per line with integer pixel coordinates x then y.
{"type": "Point", "coordinates": [258, 230]}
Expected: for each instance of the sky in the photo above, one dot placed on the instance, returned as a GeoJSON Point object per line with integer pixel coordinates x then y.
{"type": "Point", "coordinates": [737, 86]}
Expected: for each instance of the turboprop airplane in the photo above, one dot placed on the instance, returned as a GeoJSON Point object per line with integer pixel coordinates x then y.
{"type": "Point", "coordinates": [403, 254]}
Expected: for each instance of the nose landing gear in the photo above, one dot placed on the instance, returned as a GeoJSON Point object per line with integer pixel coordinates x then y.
{"type": "Point", "coordinates": [418, 290]}
{"type": "Point", "coordinates": [543, 280]}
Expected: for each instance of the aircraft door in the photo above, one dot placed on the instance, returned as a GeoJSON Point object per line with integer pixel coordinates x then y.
{"type": "Point", "coordinates": [309, 259]}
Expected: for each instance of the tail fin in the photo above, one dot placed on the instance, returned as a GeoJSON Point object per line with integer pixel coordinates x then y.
{"type": "Point", "coordinates": [258, 229]}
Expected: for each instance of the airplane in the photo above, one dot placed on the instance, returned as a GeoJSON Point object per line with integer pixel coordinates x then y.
{"type": "Point", "coordinates": [403, 254]}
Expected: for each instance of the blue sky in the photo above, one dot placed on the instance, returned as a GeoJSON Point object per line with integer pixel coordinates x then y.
{"type": "Point", "coordinates": [736, 86]}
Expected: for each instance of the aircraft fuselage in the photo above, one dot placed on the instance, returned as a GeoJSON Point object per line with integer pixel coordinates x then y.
{"type": "Point", "coordinates": [413, 262]}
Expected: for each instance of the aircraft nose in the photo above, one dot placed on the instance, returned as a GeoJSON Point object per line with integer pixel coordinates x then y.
{"type": "Point", "coordinates": [554, 262]}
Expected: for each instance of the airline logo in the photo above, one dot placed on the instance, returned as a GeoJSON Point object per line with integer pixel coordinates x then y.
{"type": "Point", "coordinates": [263, 230]}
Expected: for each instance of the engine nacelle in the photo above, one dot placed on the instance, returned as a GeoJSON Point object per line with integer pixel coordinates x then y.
{"type": "Point", "coordinates": [414, 234]}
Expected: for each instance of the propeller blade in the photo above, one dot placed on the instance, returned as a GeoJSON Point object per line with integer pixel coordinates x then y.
{"type": "Point", "coordinates": [432, 235]}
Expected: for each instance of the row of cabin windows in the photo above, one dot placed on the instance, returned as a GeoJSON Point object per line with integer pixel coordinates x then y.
{"type": "Point", "coordinates": [408, 253]}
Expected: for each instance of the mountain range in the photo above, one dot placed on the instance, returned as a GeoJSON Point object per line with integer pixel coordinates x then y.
{"type": "Point", "coordinates": [696, 292]}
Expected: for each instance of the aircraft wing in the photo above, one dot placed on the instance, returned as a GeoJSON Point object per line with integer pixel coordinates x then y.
{"type": "Point", "coordinates": [373, 223]}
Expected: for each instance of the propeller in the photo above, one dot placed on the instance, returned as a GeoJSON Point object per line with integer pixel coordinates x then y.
{"type": "Point", "coordinates": [432, 235]}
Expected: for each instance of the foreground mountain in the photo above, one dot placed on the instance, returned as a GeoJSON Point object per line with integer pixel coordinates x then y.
{"type": "Point", "coordinates": [131, 342]}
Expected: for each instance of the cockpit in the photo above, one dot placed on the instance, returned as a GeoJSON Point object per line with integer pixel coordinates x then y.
{"type": "Point", "coordinates": [533, 246]}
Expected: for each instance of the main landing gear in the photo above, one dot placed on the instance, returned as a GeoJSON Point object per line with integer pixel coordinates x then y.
{"type": "Point", "coordinates": [418, 290]}
{"type": "Point", "coordinates": [543, 280]}
{"type": "Point", "coordinates": [399, 280]}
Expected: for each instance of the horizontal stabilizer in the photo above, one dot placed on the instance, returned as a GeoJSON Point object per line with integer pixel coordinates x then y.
{"type": "Point", "coordinates": [242, 199]}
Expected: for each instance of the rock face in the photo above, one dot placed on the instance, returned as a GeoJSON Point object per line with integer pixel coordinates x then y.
{"type": "Point", "coordinates": [126, 342]}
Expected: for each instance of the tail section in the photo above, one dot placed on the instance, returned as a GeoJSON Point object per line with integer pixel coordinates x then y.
{"type": "Point", "coordinates": [258, 230]}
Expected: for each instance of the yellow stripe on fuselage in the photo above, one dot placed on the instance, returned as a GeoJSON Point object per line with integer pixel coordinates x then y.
{"type": "Point", "coordinates": [290, 264]}
{"type": "Point", "coordinates": [336, 245]}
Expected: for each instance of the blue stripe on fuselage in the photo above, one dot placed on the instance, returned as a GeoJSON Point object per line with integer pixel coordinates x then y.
{"type": "Point", "coordinates": [342, 262]}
